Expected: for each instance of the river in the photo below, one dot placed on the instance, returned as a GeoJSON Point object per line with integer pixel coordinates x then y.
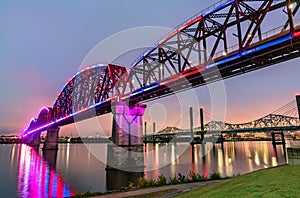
{"type": "Point", "coordinates": [75, 168]}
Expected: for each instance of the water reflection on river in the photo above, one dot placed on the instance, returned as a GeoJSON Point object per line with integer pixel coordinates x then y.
{"type": "Point", "coordinates": [27, 172]}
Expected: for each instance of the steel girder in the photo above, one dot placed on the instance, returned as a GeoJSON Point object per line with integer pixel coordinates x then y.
{"type": "Point", "coordinates": [224, 28]}
{"type": "Point", "coordinates": [270, 120]}
{"type": "Point", "coordinates": [89, 87]}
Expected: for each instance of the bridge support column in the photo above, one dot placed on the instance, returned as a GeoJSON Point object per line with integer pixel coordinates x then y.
{"type": "Point", "coordinates": [192, 126]}
{"type": "Point", "coordinates": [127, 127]}
{"type": "Point", "coordinates": [202, 124]}
{"type": "Point", "coordinates": [51, 142]}
{"type": "Point", "coordinates": [34, 140]}
{"type": "Point", "coordinates": [298, 104]}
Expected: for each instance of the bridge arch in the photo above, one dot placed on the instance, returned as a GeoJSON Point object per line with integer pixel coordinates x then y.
{"type": "Point", "coordinates": [88, 87]}
{"type": "Point", "coordinates": [170, 60]}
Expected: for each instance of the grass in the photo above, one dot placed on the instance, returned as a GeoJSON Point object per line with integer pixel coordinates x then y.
{"type": "Point", "coordinates": [154, 194]}
{"type": "Point", "coordinates": [282, 181]}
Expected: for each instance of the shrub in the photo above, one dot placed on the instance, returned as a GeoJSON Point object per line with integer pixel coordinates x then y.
{"type": "Point", "coordinates": [196, 177]}
{"type": "Point", "coordinates": [142, 182]}
{"type": "Point", "coordinates": [181, 177]}
{"type": "Point", "coordinates": [215, 176]}
{"type": "Point", "coordinates": [150, 182]}
{"type": "Point", "coordinates": [130, 184]}
{"type": "Point", "coordinates": [161, 180]}
{"type": "Point", "coordinates": [174, 180]}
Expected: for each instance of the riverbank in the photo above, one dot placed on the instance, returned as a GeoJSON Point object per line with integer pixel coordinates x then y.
{"type": "Point", "coordinates": [163, 191]}
{"type": "Point", "coordinates": [280, 181]}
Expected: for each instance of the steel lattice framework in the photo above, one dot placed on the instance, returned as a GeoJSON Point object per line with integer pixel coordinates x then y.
{"type": "Point", "coordinates": [227, 39]}
{"type": "Point", "coordinates": [87, 88]}
{"type": "Point", "coordinates": [270, 120]}
{"type": "Point", "coordinates": [202, 49]}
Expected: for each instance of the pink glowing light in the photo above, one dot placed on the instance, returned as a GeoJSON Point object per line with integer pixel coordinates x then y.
{"type": "Point", "coordinates": [37, 179]}
{"type": "Point", "coordinates": [31, 120]}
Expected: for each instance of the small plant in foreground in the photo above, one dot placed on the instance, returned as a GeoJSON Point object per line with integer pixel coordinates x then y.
{"type": "Point", "coordinates": [142, 182]}
{"type": "Point", "coordinates": [195, 177]}
{"type": "Point", "coordinates": [161, 180]}
{"type": "Point", "coordinates": [151, 182]}
{"type": "Point", "coordinates": [181, 177]}
{"type": "Point", "coordinates": [215, 176]}
{"type": "Point", "coordinates": [174, 180]}
{"type": "Point", "coordinates": [130, 184]}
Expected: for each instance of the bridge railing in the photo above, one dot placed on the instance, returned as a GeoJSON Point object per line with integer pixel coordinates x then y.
{"type": "Point", "coordinates": [210, 8]}
{"type": "Point", "coordinates": [256, 39]}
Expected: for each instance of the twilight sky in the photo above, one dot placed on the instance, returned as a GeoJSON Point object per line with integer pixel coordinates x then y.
{"type": "Point", "coordinates": [44, 42]}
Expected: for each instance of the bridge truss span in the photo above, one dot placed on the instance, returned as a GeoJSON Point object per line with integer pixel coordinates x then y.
{"type": "Point", "coordinates": [269, 121]}
{"type": "Point", "coordinates": [228, 39]}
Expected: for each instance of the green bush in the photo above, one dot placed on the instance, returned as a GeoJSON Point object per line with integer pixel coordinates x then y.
{"type": "Point", "coordinates": [151, 182]}
{"type": "Point", "coordinates": [141, 182]}
{"type": "Point", "coordinates": [174, 180]}
{"type": "Point", "coordinates": [215, 176]}
{"type": "Point", "coordinates": [196, 177]}
{"type": "Point", "coordinates": [130, 184]}
{"type": "Point", "coordinates": [181, 177]}
{"type": "Point", "coordinates": [161, 180]}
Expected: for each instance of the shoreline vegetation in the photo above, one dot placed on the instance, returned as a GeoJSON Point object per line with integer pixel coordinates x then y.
{"type": "Point", "coordinates": [143, 183]}
{"type": "Point", "coordinates": [280, 181]}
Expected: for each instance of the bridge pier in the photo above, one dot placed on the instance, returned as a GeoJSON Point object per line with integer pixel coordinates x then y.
{"type": "Point", "coordinates": [202, 124]}
{"type": "Point", "coordinates": [127, 129]}
{"type": "Point", "coordinates": [33, 140]}
{"type": "Point", "coordinates": [298, 104]}
{"type": "Point", "coordinates": [279, 142]}
{"type": "Point", "coordinates": [192, 126]}
{"type": "Point", "coordinates": [51, 142]}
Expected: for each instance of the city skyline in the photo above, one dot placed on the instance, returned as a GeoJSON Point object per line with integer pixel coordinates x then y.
{"type": "Point", "coordinates": [45, 43]}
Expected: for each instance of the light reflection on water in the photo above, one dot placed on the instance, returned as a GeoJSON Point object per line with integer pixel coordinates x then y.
{"type": "Point", "coordinates": [74, 169]}
{"type": "Point", "coordinates": [37, 177]}
{"type": "Point", "coordinates": [235, 158]}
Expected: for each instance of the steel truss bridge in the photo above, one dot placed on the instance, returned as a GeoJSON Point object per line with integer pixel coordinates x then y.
{"type": "Point", "coordinates": [229, 38]}
{"type": "Point", "coordinates": [284, 119]}
{"type": "Point", "coordinates": [269, 123]}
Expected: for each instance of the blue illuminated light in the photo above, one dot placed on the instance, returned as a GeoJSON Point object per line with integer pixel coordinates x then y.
{"type": "Point", "coordinates": [245, 53]}
{"type": "Point", "coordinates": [250, 51]}
{"type": "Point", "coordinates": [145, 89]}
{"type": "Point", "coordinates": [267, 45]}
{"type": "Point", "coordinates": [67, 192]}
{"type": "Point", "coordinates": [139, 91]}
{"type": "Point", "coordinates": [218, 8]}
{"type": "Point", "coordinates": [270, 44]}
{"type": "Point", "coordinates": [142, 57]}
{"type": "Point", "coordinates": [151, 87]}
{"type": "Point", "coordinates": [231, 58]}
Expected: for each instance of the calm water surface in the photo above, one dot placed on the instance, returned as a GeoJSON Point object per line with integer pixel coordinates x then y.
{"type": "Point", "coordinates": [28, 172]}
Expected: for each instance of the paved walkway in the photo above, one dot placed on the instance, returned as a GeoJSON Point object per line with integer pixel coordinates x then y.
{"type": "Point", "coordinates": [180, 188]}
